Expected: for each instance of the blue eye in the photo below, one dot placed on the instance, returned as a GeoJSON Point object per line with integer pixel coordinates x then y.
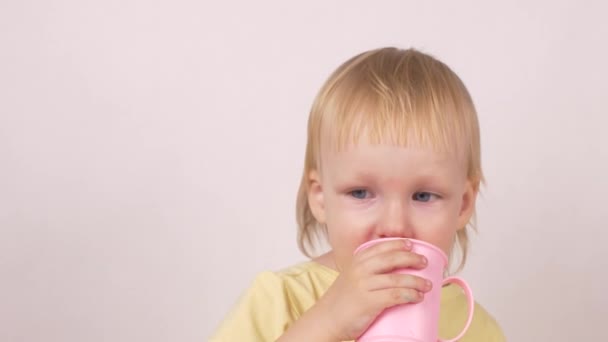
{"type": "Point", "coordinates": [359, 193]}
{"type": "Point", "coordinates": [423, 196]}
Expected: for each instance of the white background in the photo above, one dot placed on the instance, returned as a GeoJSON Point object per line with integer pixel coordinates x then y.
{"type": "Point", "coordinates": [150, 153]}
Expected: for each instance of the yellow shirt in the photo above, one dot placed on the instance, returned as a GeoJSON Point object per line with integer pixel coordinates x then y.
{"type": "Point", "coordinates": [277, 299]}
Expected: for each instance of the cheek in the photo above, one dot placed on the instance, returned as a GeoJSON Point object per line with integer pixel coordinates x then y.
{"type": "Point", "coordinates": [347, 228]}
{"type": "Point", "coordinates": [346, 219]}
{"type": "Point", "coordinates": [438, 227]}
{"type": "Point", "coordinates": [444, 215]}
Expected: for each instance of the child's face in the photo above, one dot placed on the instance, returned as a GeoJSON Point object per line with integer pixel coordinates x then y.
{"type": "Point", "coordinates": [371, 191]}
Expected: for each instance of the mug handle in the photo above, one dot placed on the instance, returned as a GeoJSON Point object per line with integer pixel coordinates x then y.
{"type": "Point", "coordinates": [470, 301]}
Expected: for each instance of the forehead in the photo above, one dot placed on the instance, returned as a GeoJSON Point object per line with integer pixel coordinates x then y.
{"type": "Point", "coordinates": [393, 161]}
{"type": "Point", "coordinates": [363, 140]}
{"type": "Point", "coordinates": [439, 132]}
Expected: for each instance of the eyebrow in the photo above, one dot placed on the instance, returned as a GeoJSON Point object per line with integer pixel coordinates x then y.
{"type": "Point", "coordinates": [425, 179]}
{"type": "Point", "coordinates": [362, 177]}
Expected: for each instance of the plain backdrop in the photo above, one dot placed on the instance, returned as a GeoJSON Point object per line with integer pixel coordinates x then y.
{"type": "Point", "coordinates": [150, 153]}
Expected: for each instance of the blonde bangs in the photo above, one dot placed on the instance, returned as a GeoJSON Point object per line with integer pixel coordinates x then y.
{"type": "Point", "coordinates": [393, 118]}
{"type": "Point", "coordinates": [399, 98]}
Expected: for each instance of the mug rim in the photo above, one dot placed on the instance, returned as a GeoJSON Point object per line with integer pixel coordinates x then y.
{"type": "Point", "coordinates": [414, 242]}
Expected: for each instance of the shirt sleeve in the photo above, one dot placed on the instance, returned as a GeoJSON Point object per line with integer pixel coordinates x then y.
{"type": "Point", "coordinates": [492, 332]}
{"type": "Point", "coordinates": [260, 314]}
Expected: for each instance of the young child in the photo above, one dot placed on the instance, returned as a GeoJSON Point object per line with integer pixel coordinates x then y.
{"type": "Point", "coordinates": [393, 151]}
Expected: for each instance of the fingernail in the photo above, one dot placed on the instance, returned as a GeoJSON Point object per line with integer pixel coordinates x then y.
{"type": "Point", "coordinates": [423, 261]}
{"type": "Point", "coordinates": [420, 295]}
{"type": "Point", "coordinates": [408, 244]}
{"type": "Point", "coordinates": [428, 284]}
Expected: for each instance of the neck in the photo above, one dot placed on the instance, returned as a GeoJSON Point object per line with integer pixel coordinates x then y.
{"type": "Point", "coordinates": [327, 260]}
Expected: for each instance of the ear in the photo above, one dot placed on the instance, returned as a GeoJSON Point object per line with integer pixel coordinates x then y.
{"type": "Point", "coordinates": [315, 196]}
{"type": "Point", "coordinates": [467, 206]}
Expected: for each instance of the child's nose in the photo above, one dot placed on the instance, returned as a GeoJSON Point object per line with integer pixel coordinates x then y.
{"type": "Point", "coordinates": [395, 221]}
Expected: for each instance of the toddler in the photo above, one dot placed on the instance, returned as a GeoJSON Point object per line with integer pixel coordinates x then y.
{"type": "Point", "coordinates": [393, 151]}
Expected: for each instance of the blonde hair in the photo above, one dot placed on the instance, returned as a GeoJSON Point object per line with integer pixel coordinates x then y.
{"type": "Point", "coordinates": [405, 97]}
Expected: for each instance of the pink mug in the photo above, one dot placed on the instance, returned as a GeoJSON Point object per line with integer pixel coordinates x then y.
{"type": "Point", "coordinates": [417, 322]}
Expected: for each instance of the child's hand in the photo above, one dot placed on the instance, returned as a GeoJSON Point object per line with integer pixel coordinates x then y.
{"type": "Point", "coordinates": [366, 288]}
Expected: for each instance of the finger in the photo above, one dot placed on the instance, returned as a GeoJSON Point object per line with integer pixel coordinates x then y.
{"type": "Point", "coordinates": [395, 296]}
{"type": "Point", "coordinates": [392, 260]}
{"type": "Point", "coordinates": [397, 280]}
{"type": "Point", "coordinates": [382, 247]}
